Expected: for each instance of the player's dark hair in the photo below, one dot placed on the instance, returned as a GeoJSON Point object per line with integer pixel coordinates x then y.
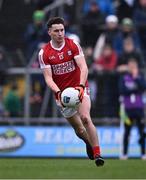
{"type": "Point", "coordinates": [55, 20]}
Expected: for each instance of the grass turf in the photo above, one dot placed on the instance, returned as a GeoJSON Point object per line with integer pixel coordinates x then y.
{"type": "Point", "coordinates": [71, 169]}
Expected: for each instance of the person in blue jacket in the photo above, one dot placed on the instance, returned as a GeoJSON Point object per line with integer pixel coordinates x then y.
{"type": "Point", "coordinates": [131, 87]}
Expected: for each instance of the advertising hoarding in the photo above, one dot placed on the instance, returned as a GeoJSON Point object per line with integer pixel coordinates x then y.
{"type": "Point", "coordinates": [35, 141]}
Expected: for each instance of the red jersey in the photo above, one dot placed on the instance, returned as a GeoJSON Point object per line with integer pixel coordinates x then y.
{"type": "Point", "coordinates": [65, 72]}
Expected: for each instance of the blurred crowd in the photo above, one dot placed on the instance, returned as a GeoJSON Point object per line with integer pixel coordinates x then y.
{"type": "Point", "coordinates": [112, 34]}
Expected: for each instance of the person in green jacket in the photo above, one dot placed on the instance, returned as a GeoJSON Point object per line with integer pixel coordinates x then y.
{"type": "Point", "coordinates": [12, 102]}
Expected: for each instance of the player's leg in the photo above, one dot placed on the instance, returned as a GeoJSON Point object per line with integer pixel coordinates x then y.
{"type": "Point", "coordinates": [127, 129]}
{"type": "Point", "coordinates": [84, 111]}
{"type": "Point", "coordinates": [140, 125]}
{"type": "Point", "coordinates": [73, 118]}
{"type": "Point", "coordinates": [81, 132]}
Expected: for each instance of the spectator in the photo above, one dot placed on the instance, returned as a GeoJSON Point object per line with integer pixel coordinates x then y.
{"type": "Point", "coordinates": [91, 25]}
{"type": "Point", "coordinates": [131, 87]}
{"type": "Point", "coordinates": [2, 110]}
{"type": "Point", "coordinates": [35, 34]}
{"type": "Point", "coordinates": [106, 6]}
{"type": "Point", "coordinates": [70, 30]}
{"type": "Point", "coordinates": [3, 66]}
{"type": "Point", "coordinates": [105, 67]}
{"type": "Point", "coordinates": [129, 52]}
{"type": "Point", "coordinates": [127, 30]}
{"type": "Point", "coordinates": [139, 18]}
{"type": "Point", "coordinates": [88, 52]}
{"type": "Point", "coordinates": [108, 59]}
{"type": "Point", "coordinates": [126, 6]}
{"type": "Point", "coordinates": [108, 36]}
{"type": "Point", "coordinates": [40, 4]}
{"type": "Point", "coordinates": [12, 102]}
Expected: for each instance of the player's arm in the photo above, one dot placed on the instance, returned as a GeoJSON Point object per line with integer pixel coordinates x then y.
{"type": "Point", "coordinates": [47, 72]}
{"type": "Point", "coordinates": [81, 62]}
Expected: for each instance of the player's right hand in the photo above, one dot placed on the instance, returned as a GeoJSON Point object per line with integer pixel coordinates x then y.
{"type": "Point", "coordinates": [58, 98]}
{"type": "Point", "coordinates": [58, 95]}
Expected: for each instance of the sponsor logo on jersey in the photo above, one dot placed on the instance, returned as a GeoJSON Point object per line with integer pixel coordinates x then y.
{"type": "Point", "coordinates": [69, 53]}
{"type": "Point", "coordinates": [51, 57]}
{"type": "Point", "coordinates": [63, 68]}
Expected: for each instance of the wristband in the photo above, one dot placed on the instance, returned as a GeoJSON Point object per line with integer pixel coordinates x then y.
{"type": "Point", "coordinates": [81, 85]}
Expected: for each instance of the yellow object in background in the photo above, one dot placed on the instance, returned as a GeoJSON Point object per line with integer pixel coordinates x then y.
{"type": "Point", "coordinates": [123, 115]}
{"type": "Point", "coordinates": [20, 84]}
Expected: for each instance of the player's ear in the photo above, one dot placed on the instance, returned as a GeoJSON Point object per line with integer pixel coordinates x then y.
{"type": "Point", "coordinates": [49, 31]}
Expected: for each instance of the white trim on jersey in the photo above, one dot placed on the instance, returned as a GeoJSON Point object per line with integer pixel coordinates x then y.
{"type": "Point", "coordinates": [41, 61]}
{"type": "Point", "coordinates": [79, 48]}
{"type": "Point", "coordinates": [78, 56]}
{"type": "Point", "coordinates": [81, 54]}
{"type": "Point", "coordinates": [57, 48]}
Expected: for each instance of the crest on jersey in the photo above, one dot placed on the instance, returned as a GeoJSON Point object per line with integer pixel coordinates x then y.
{"type": "Point", "coordinates": [61, 56]}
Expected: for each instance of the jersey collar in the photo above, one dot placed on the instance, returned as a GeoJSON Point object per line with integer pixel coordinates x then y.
{"type": "Point", "coordinates": [57, 48]}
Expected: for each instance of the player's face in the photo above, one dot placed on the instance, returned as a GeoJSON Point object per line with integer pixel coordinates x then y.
{"type": "Point", "coordinates": [57, 32]}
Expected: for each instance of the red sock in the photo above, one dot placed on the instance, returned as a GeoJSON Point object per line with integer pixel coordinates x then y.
{"type": "Point", "coordinates": [96, 151]}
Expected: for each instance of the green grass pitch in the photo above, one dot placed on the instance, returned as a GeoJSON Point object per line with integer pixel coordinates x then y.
{"type": "Point", "coordinates": [71, 169]}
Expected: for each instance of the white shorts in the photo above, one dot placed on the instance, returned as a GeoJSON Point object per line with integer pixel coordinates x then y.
{"type": "Point", "coordinates": [68, 112]}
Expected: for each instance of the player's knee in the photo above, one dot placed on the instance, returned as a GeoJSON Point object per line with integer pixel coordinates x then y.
{"type": "Point", "coordinates": [80, 131]}
{"type": "Point", "coordinates": [85, 119]}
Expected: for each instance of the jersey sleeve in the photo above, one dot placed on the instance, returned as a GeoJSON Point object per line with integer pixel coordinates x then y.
{"type": "Point", "coordinates": [77, 49]}
{"type": "Point", "coordinates": [43, 60]}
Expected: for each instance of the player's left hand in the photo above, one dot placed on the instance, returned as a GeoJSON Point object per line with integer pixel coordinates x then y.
{"type": "Point", "coordinates": [80, 88]}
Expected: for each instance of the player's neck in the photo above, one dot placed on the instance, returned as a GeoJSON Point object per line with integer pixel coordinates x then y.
{"type": "Point", "coordinates": [57, 44]}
